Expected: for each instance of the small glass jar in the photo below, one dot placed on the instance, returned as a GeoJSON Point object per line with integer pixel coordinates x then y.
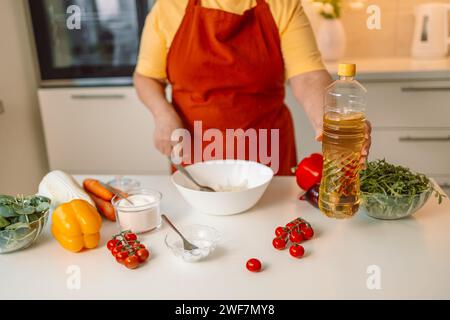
{"type": "Point", "coordinates": [142, 214]}
{"type": "Point", "coordinates": [124, 184]}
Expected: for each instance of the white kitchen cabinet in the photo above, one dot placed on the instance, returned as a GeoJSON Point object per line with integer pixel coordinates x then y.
{"type": "Point", "coordinates": [99, 130]}
{"type": "Point", "coordinates": [423, 104]}
{"type": "Point", "coordinates": [426, 151]}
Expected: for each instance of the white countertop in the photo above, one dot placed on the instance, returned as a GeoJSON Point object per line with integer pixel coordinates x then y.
{"type": "Point", "coordinates": [413, 256]}
{"type": "Point", "coordinates": [399, 68]}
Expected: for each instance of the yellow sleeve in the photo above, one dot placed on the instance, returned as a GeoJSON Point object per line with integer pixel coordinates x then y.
{"type": "Point", "coordinates": [153, 49]}
{"type": "Point", "coordinates": [298, 43]}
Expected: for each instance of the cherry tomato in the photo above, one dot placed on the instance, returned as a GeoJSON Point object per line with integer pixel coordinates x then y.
{"type": "Point", "coordinates": [295, 237]}
{"type": "Point", "coordinates": [308, 233]}
{"type": "Point", "coordinates": [132, 262]}
{"type": "Point", "coordinates": [116, 250]}
{"type": "Point", "coordinates": [279, 243]}
{"type": "Point", "coordinates": [280, 232]}
{"type": "Point", "coordinates": [138, 246]}
{"type": "Point", "coordinates": [253, 265]}
{"type": "Point", "coordinates": [130, 236]}
{"type": "Point", "coordinates": [112, 243]}
{"type": "Point", "coordinates": [290, 225]}
{"type": "Point", "coordinates": [142, 254]}
{"type": "Point", "coordinates": [297, 251]}
{"type": "Point", "coordinates": [121, 256]}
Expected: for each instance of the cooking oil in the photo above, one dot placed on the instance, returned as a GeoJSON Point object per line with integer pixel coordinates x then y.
{"type": "Point", "coordinates": [343, 140]}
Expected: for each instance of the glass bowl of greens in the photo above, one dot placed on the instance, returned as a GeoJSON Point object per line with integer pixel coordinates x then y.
{"type": "Point", "coordinates": [22, 220]}
{"type": "Point", "coordinates": [392, 192]}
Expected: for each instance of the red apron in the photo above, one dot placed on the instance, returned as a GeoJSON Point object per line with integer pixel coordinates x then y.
{"type": "Point", "coordinates": [227, 70]}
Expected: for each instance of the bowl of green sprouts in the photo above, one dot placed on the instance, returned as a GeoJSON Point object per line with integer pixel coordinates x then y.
{"type": "Point", "coordinates": [392, 192]}
{"type": "Point", "coordinates": [22, 220]}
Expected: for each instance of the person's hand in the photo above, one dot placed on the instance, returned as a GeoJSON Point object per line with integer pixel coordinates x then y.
{"type": "Point", "coordinates": [165, 124]}
{"type": "Point", "coordinates": [366, 145]}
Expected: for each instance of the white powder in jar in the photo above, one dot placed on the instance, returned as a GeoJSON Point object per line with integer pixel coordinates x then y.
{"type": "Point", "coordinates": [141, 216]}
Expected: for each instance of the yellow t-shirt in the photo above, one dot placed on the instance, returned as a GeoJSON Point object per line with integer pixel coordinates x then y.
{"type": "Point", "coordinates": [298, 44]}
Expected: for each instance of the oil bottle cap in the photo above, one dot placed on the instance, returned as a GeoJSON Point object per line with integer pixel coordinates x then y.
{"type": "Point", "coordinates": [347, 70]}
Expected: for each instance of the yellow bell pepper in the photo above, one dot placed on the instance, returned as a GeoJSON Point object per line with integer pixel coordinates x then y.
{"type": "Point", "coordinates": [76, 225]}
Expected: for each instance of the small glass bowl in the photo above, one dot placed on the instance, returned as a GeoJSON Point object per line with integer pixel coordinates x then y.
{"type": "Point", "coordinates": [204, 237]}
{"type": "Point", "coordinates": [14, 240]}
{"type": "Point", "coordinates": [124, 184]}
{"type": "Point", "coordinates": [386, 207]}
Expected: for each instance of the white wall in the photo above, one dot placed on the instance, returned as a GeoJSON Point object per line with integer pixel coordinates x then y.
{"type": "Point", "coordinates": [22, 150]}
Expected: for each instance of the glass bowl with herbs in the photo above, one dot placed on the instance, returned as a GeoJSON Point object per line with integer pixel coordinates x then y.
{"type": "Point", "coordinates": [22, 220]}
{"type": "Point", "coordinates": [392, 192]}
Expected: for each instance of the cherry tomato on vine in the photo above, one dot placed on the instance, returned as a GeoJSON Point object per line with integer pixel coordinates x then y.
{"type": "Point", "coordinates": [297, 251]}
{"type": "Point", "coordinates": [280, 232]}
{"type": "Point", "coordinates": [112, 244]}
{"type": "Point", "coordinates": [121, 256]}
{"type": "Point", "coordinates": [138, 246]}
{"type": "Point", "coordinates": [130, 236]}
{"type": "Point", "coordinates": [116, 250]}
{"type": "Point", "coordinates": [253, 265]}
{"type": "Point", "coordinates": [279, 243]}
{"type": "Point", "coordinates": [290, 225]}
{"type": "Point", "coordinates": [142, 254]}
{"type": "Point", "coordinates": [308, 233]}
{"type": "Point", "coordinates": [132, 262]}
{"type": "Point", "coordinates": [295, 237]}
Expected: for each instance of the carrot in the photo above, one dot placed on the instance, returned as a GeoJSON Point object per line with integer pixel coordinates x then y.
{"type": "Point", "coordinates": [93, 186]}
{"type": "Point", "coordinates": [104, 207]}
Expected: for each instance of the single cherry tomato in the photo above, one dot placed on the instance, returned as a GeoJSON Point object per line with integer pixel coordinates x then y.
{"type": "Point", "coordinates": [297, 251]}
{"type": "Point", "coordinates": [290, 225]}
{"type": "Point", "coordinates": [308, 233]}
{"type": "Point", "coordinates": [303, 226]}
{"type": "Point", "coordinates": [253, 265]}
{"type": "Point", "coordinates": [112, 243]}
{"type": "Point", "coordinates": [116, 250]}
{"type": "Point", "coordinates": [131, 243]}
{"type": "Point", "coordinates": [130, 236]}
{"type": "Point", "coordinates": [138, 246]}
{"type": "Point", "coordinates": [121, 256]}
{"type": "Point", "coordinates": [279, 243]}
{"type": "Point", "coordinates": [295, 236]}
{"type": "Point", "coordinates": [132, 262]}
{"type": "Point", "coordinates": [142, 254]}
{"type": "Point", "coordinates": [281, 232]}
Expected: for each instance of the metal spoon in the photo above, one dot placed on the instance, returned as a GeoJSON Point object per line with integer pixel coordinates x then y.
{"type": "Point", "coordinates": [188, 175]}
{"type": "Point", "coordinates": [118, 195]}
{"type": "Point", "coordinates": [186, 244]}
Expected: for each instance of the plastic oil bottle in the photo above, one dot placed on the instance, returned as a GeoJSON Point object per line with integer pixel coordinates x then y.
{"type": "Point", "coordinates": [343, 139]}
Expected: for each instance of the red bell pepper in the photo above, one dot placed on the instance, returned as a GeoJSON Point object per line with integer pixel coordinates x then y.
{"type": "Point", "coordinates": [309, 171]}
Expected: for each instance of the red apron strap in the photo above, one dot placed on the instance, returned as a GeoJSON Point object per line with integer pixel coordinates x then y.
{"type": "Point", "coordinates": [258, 2]}
{"type": "Point", "coordinates": [192, 3]}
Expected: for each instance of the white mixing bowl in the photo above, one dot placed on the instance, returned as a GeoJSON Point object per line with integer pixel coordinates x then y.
{"type": "Point", "coordinates": [240, 184]}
